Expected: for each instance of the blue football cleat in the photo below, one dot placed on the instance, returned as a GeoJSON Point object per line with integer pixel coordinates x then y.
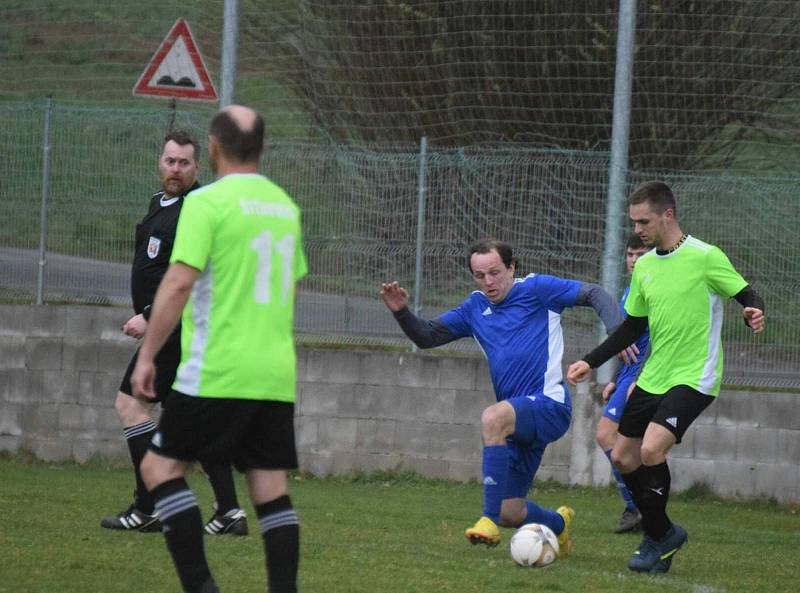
{"type": "Point", "coordinates": [656, 555]}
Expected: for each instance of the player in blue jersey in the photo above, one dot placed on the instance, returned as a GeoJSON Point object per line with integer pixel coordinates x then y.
{"type": "Point", "coordinates": [616, 394]}
{"type": "Point", "coordinates": [516, 321]}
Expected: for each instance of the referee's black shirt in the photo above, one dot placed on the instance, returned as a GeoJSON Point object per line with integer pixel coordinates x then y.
{"type": "Point", "coordinates": [155, 236]}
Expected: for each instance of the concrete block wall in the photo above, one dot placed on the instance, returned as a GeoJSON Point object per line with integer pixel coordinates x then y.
{"type": "Point", "coordinates": [361, 410]}
{"type": "Point", "coordinates": [60, 369]}
{"type": "Point", "coordinates": [745, 444]}
{"type": "Point", "coordinates": [365, 410]}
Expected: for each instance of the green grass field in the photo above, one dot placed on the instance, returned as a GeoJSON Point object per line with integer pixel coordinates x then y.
{"type": "Point", "coordinates": [383, 533]}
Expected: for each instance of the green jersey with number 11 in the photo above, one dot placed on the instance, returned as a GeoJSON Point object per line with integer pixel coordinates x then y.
{"type": "Point", "coordinates": [243, 233]}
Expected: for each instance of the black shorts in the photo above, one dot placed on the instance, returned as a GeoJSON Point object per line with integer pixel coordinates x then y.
{"type": "Point", "coordinates": [675, 410]}
{"type": "Point", "coordinates": [250, 434]}
{"type": "Point", "coordinates": [166, 361]}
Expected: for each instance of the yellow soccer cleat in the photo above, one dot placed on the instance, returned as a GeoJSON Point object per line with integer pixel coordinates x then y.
{"type": "Point", "coordinates": [565, 537]}
{"type": "Point", "coordinates": [485, 531]}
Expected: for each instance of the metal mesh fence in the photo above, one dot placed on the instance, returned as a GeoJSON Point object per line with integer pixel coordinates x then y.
{"type": "Point", "coordinates": [360, 206]}
{"type": "Point", "coordinates": [715, 81]}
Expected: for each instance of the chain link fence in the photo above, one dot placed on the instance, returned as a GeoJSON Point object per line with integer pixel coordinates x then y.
{"type": "Point", "coordinates": [361, 206]}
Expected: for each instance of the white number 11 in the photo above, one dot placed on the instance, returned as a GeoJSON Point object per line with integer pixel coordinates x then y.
{"type": "Point", "coordinates": [263, 248]}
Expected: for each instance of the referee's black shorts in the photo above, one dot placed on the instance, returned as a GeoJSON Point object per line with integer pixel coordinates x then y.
{"type": "Point", "coordinates": [166, 361]}
{"type": "Point", "coordinates": [675, 410]}
{"type": "Point", "coordinates": [250, 434]}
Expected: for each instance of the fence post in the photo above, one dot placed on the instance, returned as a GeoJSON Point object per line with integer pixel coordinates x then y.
{"type": "Point", "coordinates": [45, 197]}
{"type": "Point", "coordinates": [421, 185]}
{"type": "Point", "coordinates": [618, 166]}
{"type": "Point", "coordinates": [230, 41]}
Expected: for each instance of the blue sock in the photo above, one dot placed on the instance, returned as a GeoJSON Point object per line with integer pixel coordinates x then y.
{"type": "Point", "coordinates": [495, 473]}
{"type": "Point", "coordinates": [537, 514]}
{"type": "Point", "coordinates": [623, 489]}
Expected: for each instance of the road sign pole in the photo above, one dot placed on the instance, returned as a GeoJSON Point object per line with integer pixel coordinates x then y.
{"type": "Point", "coordinates": [230, 41]}
{"type": "Point", "coordinates": [173, 108]}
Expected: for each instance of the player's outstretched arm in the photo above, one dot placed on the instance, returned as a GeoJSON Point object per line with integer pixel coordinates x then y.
{"type": "Point", "coordinates": [593, 295]}
{"type": "Point", "coordinates": [424, 333]}
{"type": "Point", "coordinates": [625, 334]}
{"type": "Point", "coordinates": [394, 296]}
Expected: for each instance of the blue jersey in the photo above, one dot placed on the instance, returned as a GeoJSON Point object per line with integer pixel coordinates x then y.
{"type": "Point", "coordinates": [521, 336]}
{"type": "Point", "coordinates": [628, 373]}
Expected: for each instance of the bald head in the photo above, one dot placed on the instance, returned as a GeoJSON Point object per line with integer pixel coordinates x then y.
{"type": "Point", "coordinates": [239, 132]}
{"type": "Point", "coordinates": [244, 117]}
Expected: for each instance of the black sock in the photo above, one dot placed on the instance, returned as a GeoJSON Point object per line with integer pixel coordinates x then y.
{"type": "Point", "coordinates": [138, 438]}
{"type": "Point", "coordinates": [633, 482]}
{"type": "Point", "coordinates": [220, 475]}
{"type": "Point", "coordinates": [654, 486]}
{"type": "Point", "coordinates": [280, 531]}
{"type": "Point", "coordinates": [177, 509]}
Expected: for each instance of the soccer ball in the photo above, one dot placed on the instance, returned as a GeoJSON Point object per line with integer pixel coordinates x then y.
{"type": "Point", "coordinates": [534, 545]}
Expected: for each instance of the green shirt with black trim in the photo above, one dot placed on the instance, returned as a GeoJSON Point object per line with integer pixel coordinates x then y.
{"type": "Point", "coordinates": [243, 233]}
{"type": "Point", "coordinates": [683, 294]}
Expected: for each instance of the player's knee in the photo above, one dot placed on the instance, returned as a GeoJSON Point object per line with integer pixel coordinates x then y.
{"type": "Point", "coordinates": [622, 461]}
{"type": "Point", "coordinates": [494, 424]}
{"type": "Point", "coordinates": [130, 410]}
{"type": "Point", "coordinates": [653, 454]}
{"type": "Point", "coordinates": [156, 470]}
{"type": "Point", "coordinates": [123, 406]}
{"type": "Point", "coordinates": [605, 439]}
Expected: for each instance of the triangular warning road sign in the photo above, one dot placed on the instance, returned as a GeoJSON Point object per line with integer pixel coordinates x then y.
{"type": "Point", "coordinates": [177, 69]}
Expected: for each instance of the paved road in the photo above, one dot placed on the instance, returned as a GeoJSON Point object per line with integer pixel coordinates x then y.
{"type": "Point", "coordinates": [66, 276]}
{"type": "Point", "coordinates": [321, 317]}
{"type": "Point", "coordinates": [69, 278]}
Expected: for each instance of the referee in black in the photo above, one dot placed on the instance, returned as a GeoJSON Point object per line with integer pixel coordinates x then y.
{"type": "Point", "coordinates": [178, 167]}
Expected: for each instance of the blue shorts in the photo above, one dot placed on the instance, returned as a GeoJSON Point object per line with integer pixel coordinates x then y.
{"type": "Point", "coordinates": [539, 422]}
{"type": "Point", "coordinates": [616, 403]}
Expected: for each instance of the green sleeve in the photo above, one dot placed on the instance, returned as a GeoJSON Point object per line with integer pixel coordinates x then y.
{"type": "Point", "coordinates": [721, 276]}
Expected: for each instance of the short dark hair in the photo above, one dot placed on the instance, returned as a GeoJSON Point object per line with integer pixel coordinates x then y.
{"type": "Point", "coordinates": [182, 138]}
{"type": "Point", "coordinates": [634, 242]}
{"type": "Point", "coordinates": [235, 143]}
{"type": "Point", "coordinates": [657, 193]}
{"type": "Point", "coordinates": [486, 246]}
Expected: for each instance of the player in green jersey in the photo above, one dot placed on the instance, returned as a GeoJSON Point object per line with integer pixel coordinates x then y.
{"type": "Point", "coordinates": [679, 289]}
{"type": "Point", "coordinates": [237, 257]}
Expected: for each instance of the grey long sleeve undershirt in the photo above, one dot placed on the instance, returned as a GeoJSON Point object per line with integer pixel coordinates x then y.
{"type": "Point", "coordinates": [431, 333]}
{"type": "Point", "coordinates": [593, 295]}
